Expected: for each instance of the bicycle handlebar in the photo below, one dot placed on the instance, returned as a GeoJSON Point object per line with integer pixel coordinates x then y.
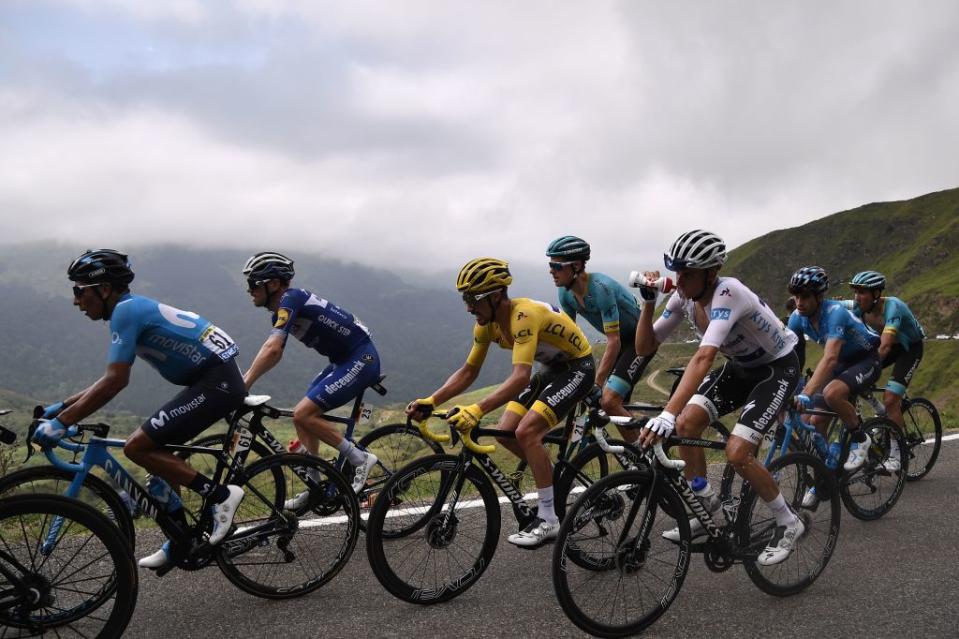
{"type": "Point", "coordinates": [467, 437]}
{"type": "Point", "coordinates": [426, 432]}
{"type": "Point", "coordinates": [675, 464]}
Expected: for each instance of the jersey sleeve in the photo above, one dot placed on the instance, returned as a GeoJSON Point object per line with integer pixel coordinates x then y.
{"type": "Point", "coordinates": [481, 342]}
{"type": "Point", "coordinates": [608, 308]}
{"type": "Point", "coordinates": [124, 331]}
{"type": "Point", "coordinates": [893, 318]}
{"type": "Point", "coordinates": [795, 324]}
{"type": "Point", "coordinates": [721, 322]}
{"type": "Point", "coordinates": [672, 315]}
{"type": "Point", "coordinates": [525, 327]}
{"type": "Point", "coordinates": [289, 309]}
{"type": "Point", "coordinates": [566, 305]}
{"type": "Point", "coordinates": [839, 321]}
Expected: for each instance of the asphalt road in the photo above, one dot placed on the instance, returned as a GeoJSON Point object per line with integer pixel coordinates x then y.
{"type": "Point", "coordinates": [895, 577]}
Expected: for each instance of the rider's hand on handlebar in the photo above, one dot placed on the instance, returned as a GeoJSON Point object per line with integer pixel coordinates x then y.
{"type": "Point", "coordinates": [51, 411]}
{"type": "Point", "coordinates": [801, 402]}
{"type": "Point", "coordinates": [465, 418]}
{"type": "Point", "coordinates": [657, 428]}
{"type": "Point", "coordinates": [420, 409]}
{"type": "Point", "coordinates": [49, 432]}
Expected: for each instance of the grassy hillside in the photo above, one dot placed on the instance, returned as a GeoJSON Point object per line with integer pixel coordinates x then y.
{"type": "Point", "coordinates": [912, 242]}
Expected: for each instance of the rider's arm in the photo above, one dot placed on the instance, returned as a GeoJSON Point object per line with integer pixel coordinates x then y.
{"type": "Point", "coordinates": [509, 389]}
{"type": "Point", "coordinates": [695, 373]}
{"type": "Point", "coordinates": [795, 325]}
{"type": "Point", "coordinates": [96, 396]}
{"type": "Point", "coordinates": [269, 356]}
{"type": "Point", "coordinates": [824, 369]}
{"type": "Point", "coordinates": [609, 312]}
{"type": "Point", "coordinates": [456, 384]}
{"type": "Point", "coordinates": [614, 345]}
{"type": "Point", "coordinates": [886, 341]}
{"type": "Point", "coordinates": [650, 335]}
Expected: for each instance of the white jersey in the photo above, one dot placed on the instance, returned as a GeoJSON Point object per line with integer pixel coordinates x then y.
{"type": "Point", "coordinates": [736, 322]}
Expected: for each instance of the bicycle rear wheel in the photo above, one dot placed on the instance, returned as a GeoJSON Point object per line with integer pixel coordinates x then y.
{"type": "Point", "coordinates": [95, 492]}
{"type": "Point", "coordinates": [395, 446]}
{"type": "Point", "coordinates": [589, 466]}
{"type": "Point", "coordinates": [871, 491]}
{"type": "Point", "coordinates": [795, 473]}
{"type": "Point", "coordinates": [82, 572]}
{"type": "Point", "coordinates": [633, 574]}
{"type": "Point", "coordinates": [424, 547]}
{"type": "Point", "coordinates": [923, 435]}
{"type": "Point", "coordinates": [275, 554]}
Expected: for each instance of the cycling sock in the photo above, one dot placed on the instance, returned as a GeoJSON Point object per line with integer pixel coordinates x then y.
{"type": "Point", "coordinates": [546, 511]}
{"type": "Point", "coordinates": [204, 486]}
{"type": "Point", "coordinates": [353, 454]}
{"type": "Point", "coordinates": [784, 516]}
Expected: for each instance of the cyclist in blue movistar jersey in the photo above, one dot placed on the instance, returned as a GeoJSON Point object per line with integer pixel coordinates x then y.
{"type": "Point", "coordinates": [330, 331]}
{"type": "Point", "coordinates": [185, 349]}
{"type": "Point", "coordinates": [610, 309]}
{"type": "Point", "coordinates": [901, 338]}
{"type": "Point", "coordinates": [850, 361]}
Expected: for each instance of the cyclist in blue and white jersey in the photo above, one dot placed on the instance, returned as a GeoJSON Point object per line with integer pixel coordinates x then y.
{"type": "Point", "coordinates": [760, 374]}
{"type": "Point", "coordinates": [850, 361]}
{"type": "Point", "coordinates": [186, 349]}
{"type": "Point", "coordinates": [330, 331]}
{"type": "Point", "coordinates": [901, 336]}
{"type": "Point", "coordinates": [609, 308]}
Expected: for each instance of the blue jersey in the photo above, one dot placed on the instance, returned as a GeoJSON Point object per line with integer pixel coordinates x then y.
{"type": "Point", "coordinates": [897, 319]}
{"type": "Point", "coordinates": [178, 344]}
{"type": "Point", "coordinates": [836, 322]}
{"type": "Point", "coordinates": [322, 326]}
{"type": "Point", "coordinates": [607, 306]}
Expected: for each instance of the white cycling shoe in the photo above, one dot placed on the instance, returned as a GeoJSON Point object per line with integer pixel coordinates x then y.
{"type": "Point", "coordinates": [783, 543]}
{"type": "Point", "coordinates": [810, 499]}
{"type": "Point", "coordinates": [536, 534]}
{"type": "Point", "coordinates": [298, 502]}
{"type": "Point", "coordinates": [857, 456]}
{"type": "Point", "coordinates": [363, 471]}
{"type": "Point", "coordinates": [893, 463]}
{"type": "Point", "coordinates": [157, 560]}
{"type": "Point", "coordinates": [223, 514]}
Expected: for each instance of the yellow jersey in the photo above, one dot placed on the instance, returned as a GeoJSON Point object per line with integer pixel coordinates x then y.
{"type": "Point", "coordinates": [538, 331]}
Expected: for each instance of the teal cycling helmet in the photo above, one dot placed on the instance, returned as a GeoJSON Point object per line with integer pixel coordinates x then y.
{"type": "Point", "coordinates": [869, 280]}
{"type": "Point", "coordinates": [568, 248]}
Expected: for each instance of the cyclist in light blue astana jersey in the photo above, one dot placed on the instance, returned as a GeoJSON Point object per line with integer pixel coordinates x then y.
{"type": "Point", "coordinates": [850, 361]}
{"type": "Point", "coordinates": [330, 331]}
{"type": "Point", "coordinates": [901, 336]}
{"type": "Point", "coordinates": [186, 349]}
{"type": "Point", "coordinates": [609, 308]}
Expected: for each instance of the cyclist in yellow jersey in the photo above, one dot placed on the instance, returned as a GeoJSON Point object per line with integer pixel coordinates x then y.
{"type": "Point", "coordinates": [534, 331]}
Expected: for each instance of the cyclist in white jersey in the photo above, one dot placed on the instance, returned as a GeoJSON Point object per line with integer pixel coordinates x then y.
{"type": "Point", "coordinates": [760, 375]}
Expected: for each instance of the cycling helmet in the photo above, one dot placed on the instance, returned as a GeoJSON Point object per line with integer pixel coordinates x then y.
{"type": "Point", "coordinates": [269, 265]}
{"type": "Point", "coordinates": [696, 249]}
{"type": "Point", "coordinates": [869, 280]}
{"type": "Point", "coordinates": [101, 266]}
{"type": "Point", "coordinates": [568, 248]}
{"type": "Point", "coordinates": [809, 279]}
{"type": "Point", "coordinates": [483, 274]}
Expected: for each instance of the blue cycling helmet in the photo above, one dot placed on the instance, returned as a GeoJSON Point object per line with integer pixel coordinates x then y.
{"type": "Point", "coordinates": [268, 265]}
{"type": "Point", "coordinates": [569, 248]}
{"type": "Point", "coordinates": [809, 279]}
{"type": "Point", "coordinates": [868, 279]}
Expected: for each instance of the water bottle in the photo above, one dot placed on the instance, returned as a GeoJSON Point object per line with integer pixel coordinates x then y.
{"type": "Point", "coordinates": [296, 446]}
{"type": "Point", "coordinates": [832, 460]}
{"type": "Point", "coordinates": [129, 503]}
{"type": "Point", "coordinates": [165, 495]}
{"type": "Point", "coordinates": [664, 284]}
{"type": "Point", "coordinates": [876, 405]}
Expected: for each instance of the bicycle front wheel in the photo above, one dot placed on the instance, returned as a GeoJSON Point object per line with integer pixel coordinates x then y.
{"type": "Point", "coordinates": [795, 473]}
{"type": "Point", "coordinates": [433, 530]}
{"type": "Point", "coordinates": [395, 446]}
{"type": "Point", "coordinates": [276, 554]}
{"type": "Point", "coordinates": [873, 489]}
{"type": "Point", "coordinates": [923, 435]}
{"type": "Point", "coordinates": [632, 574]}
{"type": "Point", "coordinates": [73, 559]}
{"type": "Point", "coordinates": [589, 466]}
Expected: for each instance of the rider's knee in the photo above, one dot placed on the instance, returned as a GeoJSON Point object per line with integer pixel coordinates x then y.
{"type": "Point", "coordinates": [687, 426]}
{"type": "Point", "coordinates": [739, 453]}
{"type": "Point", "coordinates": [834, 395]}
{"type": "Point", "coordinates": [610, 401]}
{"type": "Point", "coordinates": [302, 416]}
{"type": "Point", "coordinates": [891, 402]}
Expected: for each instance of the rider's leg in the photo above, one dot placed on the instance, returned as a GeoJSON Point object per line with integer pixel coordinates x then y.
{"type": "Point", "coordinates": [619, 386]}
{"type": "Point", "coordinates": [509, 422]}
{"type": "Point", "coordinates": [893, 405]}
{"type": "Point", "coordinates": [691, 423]}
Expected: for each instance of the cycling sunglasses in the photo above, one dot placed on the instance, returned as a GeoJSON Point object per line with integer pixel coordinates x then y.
{"type": "Point", "coordinates": [558, 266]}
{"type": "Point", "coordinates": [473, 298]}
{"type": "Point", "coordinates": [78, 289]}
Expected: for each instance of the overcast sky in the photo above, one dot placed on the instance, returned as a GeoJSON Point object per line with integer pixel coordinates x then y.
{"type": "Point", "coordinates": [427, 133]}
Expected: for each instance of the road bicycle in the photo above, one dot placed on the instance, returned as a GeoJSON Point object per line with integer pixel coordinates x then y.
{"type": "Point", "coordinates": [922, 433]}
{"type": "Point", "coordinates": [615, 574]}
{"type": "Point", "coordinates": [65, 570]}
{"type": "Point", "coordinates": [271, 552]}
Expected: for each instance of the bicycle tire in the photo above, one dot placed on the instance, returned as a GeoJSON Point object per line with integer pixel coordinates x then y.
{"type": "Point", "coordinates": [86, 541]}
{"type": "Point", "coordinates": [272, 549]}
{"type": "Point", "coordinates": [795, 473]}
{"type": "Point", "coordinates": [395, 446]}
{"type": "Point", "coordinates": [408, 565]}
{"type": "Point", "coordinates": [920, 417]}
{"type": "Point", "coordinates": [591, 464]}
{"type": "Point", "coordinates": [641, 582]}
{"type": "Point", "coordinates": [95, 492]}
{"type": "Point", "coordinates": [871, 491]}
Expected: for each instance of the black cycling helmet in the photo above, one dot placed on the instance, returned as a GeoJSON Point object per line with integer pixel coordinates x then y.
{"type": "Point", "coordinates": [569, 248]}
{"type": "Point", "coordinates": [809, 279]}
{"type": "Point", "coordinates": [101, 266]}
{"type": "Point", "coordinates": [269, 265]}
